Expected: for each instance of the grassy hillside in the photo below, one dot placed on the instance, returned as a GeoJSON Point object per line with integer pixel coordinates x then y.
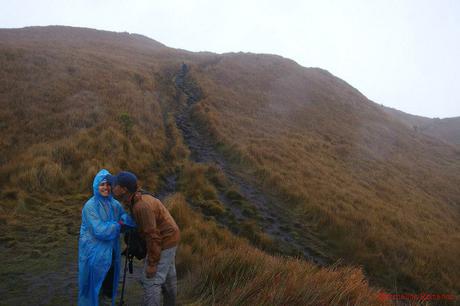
{"type": "Point", "coordinates": [291, 160]}
{"type": "Point", "coordinates": [379, 193]}
{"type": "Point", "coordinates": [214, 266]}
{"type": "Point", "coordinates": [447, 129]}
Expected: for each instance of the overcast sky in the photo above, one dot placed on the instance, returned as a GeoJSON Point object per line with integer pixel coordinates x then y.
{"type": "Point", "coordinates": [403, 54]}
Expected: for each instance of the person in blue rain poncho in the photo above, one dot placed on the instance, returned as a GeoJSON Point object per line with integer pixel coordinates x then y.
{"type": "Point", "coordinates": [103, 218]}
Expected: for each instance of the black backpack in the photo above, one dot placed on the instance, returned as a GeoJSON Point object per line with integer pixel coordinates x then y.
{"type": "Point", "coordinates": [135, 245]}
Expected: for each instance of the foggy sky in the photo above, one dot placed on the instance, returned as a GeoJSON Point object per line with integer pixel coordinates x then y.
{"type": "Point", "coordinates": [402, 54]}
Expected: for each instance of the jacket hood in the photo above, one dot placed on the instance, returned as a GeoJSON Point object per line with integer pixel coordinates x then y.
{"type": "Point", "coordinates": [100, 176]}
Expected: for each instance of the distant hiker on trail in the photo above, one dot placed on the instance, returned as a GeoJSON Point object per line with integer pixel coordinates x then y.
{"type": "Point", "coordinates": [161, 234]}
{"type": "Point", "coordinates": [103, 218]}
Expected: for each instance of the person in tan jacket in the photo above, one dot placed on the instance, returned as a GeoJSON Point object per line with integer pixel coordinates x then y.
{"type": "Point", "coordinates": [161, 234]}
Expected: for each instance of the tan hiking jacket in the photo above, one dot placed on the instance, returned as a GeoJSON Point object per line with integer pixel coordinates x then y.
{"type": "Point", "coordinates": [155, 225]}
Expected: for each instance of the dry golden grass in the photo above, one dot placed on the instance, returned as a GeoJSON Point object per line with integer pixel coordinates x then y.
{"type": "Point", "coordinates": [225, 270]}
{"type": "Point", "coordinates": [380, 195]}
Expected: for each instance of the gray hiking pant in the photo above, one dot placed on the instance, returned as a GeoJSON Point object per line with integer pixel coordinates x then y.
{"type": "Point", "coordinates": [164, 280]}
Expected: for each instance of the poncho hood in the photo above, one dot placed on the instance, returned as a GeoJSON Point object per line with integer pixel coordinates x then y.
{"type": "Point", "coordinates": [100, 176]}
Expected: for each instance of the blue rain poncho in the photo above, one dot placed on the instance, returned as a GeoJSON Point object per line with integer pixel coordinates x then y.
{"type": "Point", "coordinates": [99, 237]}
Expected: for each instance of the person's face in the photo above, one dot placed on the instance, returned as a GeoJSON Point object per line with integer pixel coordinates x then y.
{"type": "Point", "coordinates": [120, 193]}
{"type": "Point", "coordinates": [104, 189]}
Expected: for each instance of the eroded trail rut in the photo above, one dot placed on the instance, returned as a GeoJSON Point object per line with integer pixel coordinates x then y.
{"type": "Point", "coordinates": [272, 221]}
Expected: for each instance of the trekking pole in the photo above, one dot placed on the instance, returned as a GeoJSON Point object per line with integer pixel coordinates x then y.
{"type": "Point", "coordinates": [122, 302]}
